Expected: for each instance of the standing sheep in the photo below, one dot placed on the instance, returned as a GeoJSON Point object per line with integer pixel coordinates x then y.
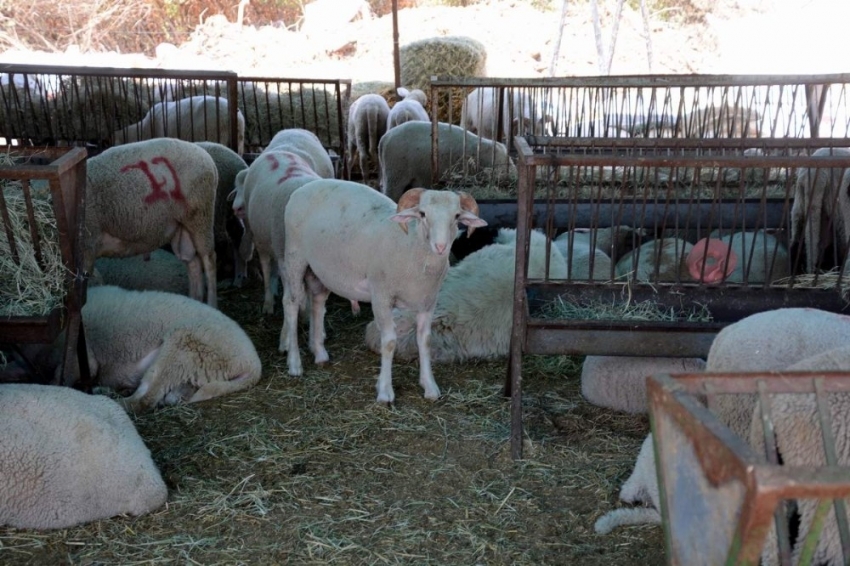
{"type": "Point", "coordinates": [406, 156]}
{"type": "Point", "coordinates": [68, 458]}
{"type": "Point", "coordinates": [164, 349]}
{"type": "Point", "coordinates": [367, 123]}
{"type": "Point", "coordinates": [196, 118]}
{"type": "Point", "coordinates": [474, 311]}
{"type": "Point", "coordinates": [479, 114]}
{"type": "Point", "coordinates": [307, 146]}
{"type": "Point", "coordinates": [146, 194]}
{"type": "Point", "coordinates": [227, 228]}
{"type": "Point", "coordinates": [354, 242]}
{"type": "Point", "coordinates": [821, 201]}
{"type": "Point", "coordinates": [410, 107]}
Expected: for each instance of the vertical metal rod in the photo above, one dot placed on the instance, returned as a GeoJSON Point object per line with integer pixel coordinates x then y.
{"type": "Point", "coordinates": [396, 55]}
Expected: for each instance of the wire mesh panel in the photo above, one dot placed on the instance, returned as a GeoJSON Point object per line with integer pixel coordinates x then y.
{"type": "Point", "coordinates": [668, 106]}
{"type": "Point", "coordinates": [728, 500]}
{"type": "Point", "coordinates": [666, 241]}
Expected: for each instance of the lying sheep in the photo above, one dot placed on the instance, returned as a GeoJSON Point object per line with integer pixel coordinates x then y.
{"type": "Point", "coordinates": [584, 260]}
{"type": "Point", "coordinates": [473, 315]}
{"type": "Point", "coordinates": [410, 107]}
{"type": "Point", "coordinates": [754, 257]}
{"type": "Point", "coordinates": [773, 340]}
{"type": "Point", "coordinates": [354, 242]}
{"type": "Point", "coordinates": [405, 156]}
{"type": "Point", "coordinates": [479, 114]}
{"type": "Point", "coordinates": [367, 123]}
{"type": "Point", "coordinates": [68, 458]}
{"type": "Point", "coordinates": [619, 382]}
{"type": "Point", "coordinates": [163, 349]}
{"type": "Point", "coordinates": [307, 146]}
{"type": "Point", "coordinates": [271, 180]}
{"type": "Point", "coordinates": [227, 228]}
{"type": "Point", "coordinates": [659, 260]}
{"type": "Point", "coordinates": [146, 194]}
{"type": "Point", "coordinates": [160, 271]}
{"type": "Point", "coordinates": [196, 118]}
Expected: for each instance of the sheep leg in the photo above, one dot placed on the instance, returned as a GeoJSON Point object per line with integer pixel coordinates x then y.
{"type": "Point", "coordinates": [196, 278]}
{"type": "Point", "coordinates": [423, 342]}
{"type": "Point", "coordinates": [386, 326]}
{"type": "Point", "coordinates": [219, 388]}
{"type": "Point", "coordinates": [209, 261]}
{"type": "Point", "coordinates": [293, 298]}
{"type": "Point", "coordinates": [268, 296]}
{"type": "Point", "coordinates": [319, 294]}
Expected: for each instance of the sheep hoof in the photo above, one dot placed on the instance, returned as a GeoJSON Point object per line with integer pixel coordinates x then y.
{"type": "Point", "coordinates": [268, 309]}
{"type": "Point", "coordinates": [322, 358]}
{"type": "Point", "coordinates": [386, 397]}
{"type": "Point", "coordinates": [295, 366]}
{"type": "Point", "coordinates": [432, 395]}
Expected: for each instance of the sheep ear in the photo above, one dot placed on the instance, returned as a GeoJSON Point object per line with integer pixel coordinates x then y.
{"type": "Point", "coordinates": [231, 195]}
{"type": "Point", "coordinates": [402, 92]}
{"type": "Point", "coordinates": [469, 217]}
{"type": "Point", "coordinates": [405, 216]}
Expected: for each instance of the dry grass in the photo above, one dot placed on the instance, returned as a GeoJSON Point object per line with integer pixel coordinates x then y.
{"type": "Point", "coordinates": [622, 310]}
{"type": "Point", "coordinates": [311, 470]}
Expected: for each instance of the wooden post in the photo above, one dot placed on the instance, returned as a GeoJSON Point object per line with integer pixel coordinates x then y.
{"type": "Point", "coordinates": [396, 57]}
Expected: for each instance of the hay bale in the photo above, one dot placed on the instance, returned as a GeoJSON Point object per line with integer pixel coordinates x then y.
{"type": "Point", "coordinates": [451, 56]}
{"type": "Point", "coordinates": [29, 287]}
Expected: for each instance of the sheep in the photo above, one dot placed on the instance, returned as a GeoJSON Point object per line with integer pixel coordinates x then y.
{"type": "Point", "coordinates": [474, 311]}
{"type": "Point", "coordinates": [346, 234]}
{"type": "Point", "coordinates": [161, 271]}
{"type": "Point", "coordinates": [306, 145]}
{"type": "Point", "coordinates": [772, 340]}
{"type": "Point", "coordinates": [478, 114]}
{"type": "Point", "coordinates": [754, 257]}
{"type": "Point", "coordinates": [270, 181]}
{"type": "Point", "coordinates": [164, 349]}
{"type": "Point", "coordinates": [659, 260]}
{"type": "Point", "coordinates": [143, 195]}
{"type": "Point", "coordinates": [405, 155]}
{"type": "Point", "coordinates": [641, 487]}
{"type": "Point", "coordinates": [584, 261]}
{"type": "Point", "coordinates": [227, 228]}
{"type": "Point", "coordinates": [196, 118]}
{"type": "Point", "coordinates": [818, 203]}
{"type": "Point", "coordinates": [619, 382]}
{"type": "Point", "coordinates": [410, 107]}
{"type": "Point", "coordinates": [367, 123]}
{"type": "Point", "coordinates": [68, 458]}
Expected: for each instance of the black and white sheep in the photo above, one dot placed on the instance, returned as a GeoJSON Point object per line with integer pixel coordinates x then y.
{"type": "Point", "coordinates": [405, 156]}
{"type": "Point", "coordinates": [196, 118]}
{"type": "Point", "coordinates": [474, 311]}
{"type": "Point", "coordinates": [367, 123]}
{"type": "Point", "coordinates": [410, 107]}
{"type": "Point", "coordinates": [143, 195]}
{"type": "Point", "coordinates": [821, 202]}
{"type": "Point", "coordinates": [68, 458]}
{"type": "Point", "coordinates": [350, 240]}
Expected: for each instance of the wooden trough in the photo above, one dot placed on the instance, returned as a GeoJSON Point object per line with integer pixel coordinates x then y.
{"type": "Point", "coordinates": [64, 171]}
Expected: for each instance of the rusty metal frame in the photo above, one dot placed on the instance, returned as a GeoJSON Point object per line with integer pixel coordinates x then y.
{"type": "Point", "coordinates": [532, 334]}
{"type": "Point", "coordinates": [676, 409]}
{"type": "Point", "coordinates": [64, 169]}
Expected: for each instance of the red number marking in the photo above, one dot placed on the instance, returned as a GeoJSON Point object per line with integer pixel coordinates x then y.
{"type": "Point", "coordinates": [296, 168]}
{"type": "Point", "coordinates": [273, 159]}
{"type": "Point", "coordinates": [157, 185]}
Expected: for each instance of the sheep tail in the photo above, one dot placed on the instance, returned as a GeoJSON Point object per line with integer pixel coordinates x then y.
{"type": "Point", "coordinates": [626, 516]}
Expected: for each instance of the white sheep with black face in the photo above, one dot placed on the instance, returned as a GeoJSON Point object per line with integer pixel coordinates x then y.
{"type": "Point", "coordinates": [350, 240]}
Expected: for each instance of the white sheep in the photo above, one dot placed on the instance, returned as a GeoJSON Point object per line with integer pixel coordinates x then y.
{"type": "Point", "coordinates": [146, 194]}
{"type": "Point", "coordinates": [68, 458]}
{"type": "Point", "coordinates": [473, 315]}
{"type": "Point", "coordinates": [367, 123]}
{"type": "Point", "coordinates": [405, 156]}
{"type": "Point", "coordinates": [355, 242]}
{"type": "Point", "coordinates": [658, 260]}
{"type": "Point", "coordinates": [196, 118]}
{"type": "Point", "coordinates": [583, 259]}
{"type": "Point", "coordinates": [228, 229]}
{"type": "Point", "coordinates": [520, 116]}
{"type": "Point", "coordinates": [619, 382]}
{"type": "Point", "coordinates": [410, 107]}
{"type": "Point", "coordinates": [270, 181]}
{"type": "Point", "coordinates": [158, 271]}
{"type": "Point", "coordinates": [306, 145]}
{"type": "Point", "coordinates": [821, 197]}
{"type": "Point", "coordinates": [163, 349]}
{"type": "Point", "coordinates": [755, 257]}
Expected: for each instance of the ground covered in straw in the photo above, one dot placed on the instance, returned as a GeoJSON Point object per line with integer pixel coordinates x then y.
{"type": "Point", "coordinates": [313, 471]}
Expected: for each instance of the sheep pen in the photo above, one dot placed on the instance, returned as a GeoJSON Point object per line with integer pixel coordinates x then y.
{"type": "Point", "coordinates": [312, 471]}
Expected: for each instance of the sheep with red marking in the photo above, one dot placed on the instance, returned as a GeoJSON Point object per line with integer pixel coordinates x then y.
{"type": "Point", "coordinates": [306, 145]}
{"type": "Point", "coordinates": [348, 239]}
{"type": "Point", "coordinates": [144, 195]}
{"type": "Point", "coordinates": [196, 118]}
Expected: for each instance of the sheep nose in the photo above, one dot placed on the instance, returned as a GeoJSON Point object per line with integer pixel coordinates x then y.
{"type": "Point", "coordinates": [441, 248]}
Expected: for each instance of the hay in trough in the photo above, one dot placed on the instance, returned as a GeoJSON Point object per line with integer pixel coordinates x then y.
{"type": "Point", "coordinates": [647, 311]}
{"type": "Point", "coordinates": [29, 287]}
{"type": "Point", "coordinates": [452, 56]}
{"type": "Point", "coordinates": [833, 280]}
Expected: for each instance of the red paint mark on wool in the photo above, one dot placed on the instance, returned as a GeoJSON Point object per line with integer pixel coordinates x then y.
{"type": "Point", "coordinates": [162, 188]}
{"type": "Point", "coordinates": [274, 161]}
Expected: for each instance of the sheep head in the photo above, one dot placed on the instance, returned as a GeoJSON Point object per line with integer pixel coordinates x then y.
{"type": "Point", "coordinates": [438, 213]}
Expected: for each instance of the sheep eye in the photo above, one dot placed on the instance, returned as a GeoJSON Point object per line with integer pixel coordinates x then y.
{"type": "Point", "coordinates": [421, 214]}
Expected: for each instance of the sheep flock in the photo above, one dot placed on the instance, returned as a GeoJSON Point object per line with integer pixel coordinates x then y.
{"type": "Point", "coordinates": [165, 331]}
